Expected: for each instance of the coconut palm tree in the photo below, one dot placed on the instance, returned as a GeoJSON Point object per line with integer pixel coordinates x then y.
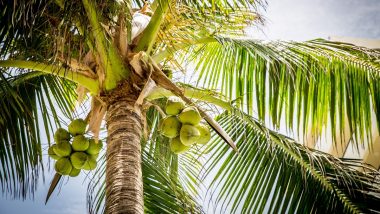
{"type": "Point", "coordinates": [55, 53]}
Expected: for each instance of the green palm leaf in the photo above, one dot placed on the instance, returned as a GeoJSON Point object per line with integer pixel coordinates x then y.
{"type": "Point", "coordinates": [305, 84]}
{"type": "Point", "coordinates": [16, 24]}
{"type": "Point", "coordinates": [28, 106]}
{"type": "Point", "coordinates": [274, 174]}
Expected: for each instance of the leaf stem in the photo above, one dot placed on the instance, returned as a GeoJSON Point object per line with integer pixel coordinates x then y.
{"type": "Point", "coordinates": [191, 93]}
{"type": "Point", "coordinates": [91, 84]}
{"type": "Point", "coordinates": [150, 33]}
{"type": "Point", "coordinates": [113, 65]}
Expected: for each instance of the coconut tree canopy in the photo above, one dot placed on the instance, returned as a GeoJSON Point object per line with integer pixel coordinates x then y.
{"type": "Point", "coordinates": [55, 53]}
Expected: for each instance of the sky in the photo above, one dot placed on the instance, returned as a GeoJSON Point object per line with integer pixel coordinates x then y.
{"type": "Point", "coordinates": [304, 19]}
{"type": "Point", "coordinates": [285, 20]}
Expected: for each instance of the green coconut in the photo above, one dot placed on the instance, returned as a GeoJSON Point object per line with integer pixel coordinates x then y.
{"type": "Point", "coordinates": [51, 152]}
{"type": "Point", "coordinates": [63, 166]}
{"type": "Point", "coordinates": [189, 135]}
{"type": "Point", "coordinates": [174, 105]}
{"type": "Point", "coordinates": [74, 172]}
{"type": "Point", "coordinates": [170, 127]}
{"type": "Point", "coordinates": [190, 115]}
{"type": "Point", "coordinates": [205, 134]}
{"type": "Point", "coordinates": [61, 134]}
{"type": "Point", "coordinates": [80, 143]}
{"type": "Point", "coordinates": [94, 148]}
{"type": "Point", "coordinates": [77, 127]}
{"type": "Point", "coordinates": [177, 147]}
{"type": "Point", "coordinates": [78, 159]}
{"type": "Point", "coordinates": [62, 149]}
{"type": "Point", "coordinates": [90, 163]}
{"type": "Point", "coordinates": [95, 156]}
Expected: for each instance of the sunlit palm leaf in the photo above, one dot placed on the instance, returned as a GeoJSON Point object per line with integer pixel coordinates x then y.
{"type": "Point", "coordinates": [305, 84]}
{"type": "Point", "coordinates": [224, 5]}
{"type": "Point", "coordinates": [189, 22]}
{"type": "Point", "coordinates": [274, 174]}
{"type": "Point", "coordinates": [186, 25]}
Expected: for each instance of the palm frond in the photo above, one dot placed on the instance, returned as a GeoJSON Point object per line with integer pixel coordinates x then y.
{"type": "Point", "coordinates": [16, 21]}
{"type": "Point", "coordinates": [44, 30]}
{"type": "Point", "coordinates": [224, 5]}
{"type": "Point", "coordinates": [307, 85]}
{"type": "Point", "coordinates": [160, 186]}
{"type": "Point", "coordinates": [28, 114]}
{"type": "Point", "coordinates": [274, 174]}
{"type": "Point", "coordinates": [190, 21]}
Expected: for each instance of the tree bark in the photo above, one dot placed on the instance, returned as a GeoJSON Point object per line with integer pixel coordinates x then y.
{"type": "Point", "coordinates": [124, 185]}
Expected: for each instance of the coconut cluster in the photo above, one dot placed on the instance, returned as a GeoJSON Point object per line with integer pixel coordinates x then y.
{"type": "Point", "coordinates": [183, 126]}
{"type": "Point", "coordinates": [73, 151]}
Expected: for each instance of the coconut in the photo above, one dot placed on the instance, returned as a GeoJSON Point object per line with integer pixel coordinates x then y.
{"type": "Point", "coordinates": [80, 143]}
{"type": "Point", "coordinates": [74, 172]}
{"type": "Point", "coordinates": [94, 148]}
{"type": "Point", "coordinates": [170, 127]}
{"type": "Point", "coordinates": [63, 166]}
{"type": "Point", "coordinates": [174, 105]}
{"type": "Point", "coordinates": [62, 149]}
{"type": "Point", "coordinates": [95, 157]}
{"type": "Point", "coordinates": [78, 159]}
{"type": "Point", "coordinates": [90, 163]}
{"type": "Point", "coordinates": [51, 152]}
{"type": "Point", "coordinates": [205, 134]}
{"type": "Point", "coordinates": [190, 115]}
{"type": "Point", "coordinates": [189, 135]}
{"type": "Point", "coordinates": [177, 147]}
{"type": "Point", "coordinates": [77, 127]}
{"type": "Point", "coordinates": [61, 134]}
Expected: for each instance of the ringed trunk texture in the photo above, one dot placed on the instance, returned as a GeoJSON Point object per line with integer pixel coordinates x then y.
{"type": "Point", "coordinates": [124, 184]}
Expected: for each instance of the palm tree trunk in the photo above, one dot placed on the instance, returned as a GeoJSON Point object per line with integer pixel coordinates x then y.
{"type": "Point", "coordinates": [124, 186]}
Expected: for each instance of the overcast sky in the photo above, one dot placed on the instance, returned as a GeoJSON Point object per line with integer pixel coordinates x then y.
{"type": "Point", "coordinates": [306, 19]}
{"type": "Point", "coordinates": [285, 20]}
